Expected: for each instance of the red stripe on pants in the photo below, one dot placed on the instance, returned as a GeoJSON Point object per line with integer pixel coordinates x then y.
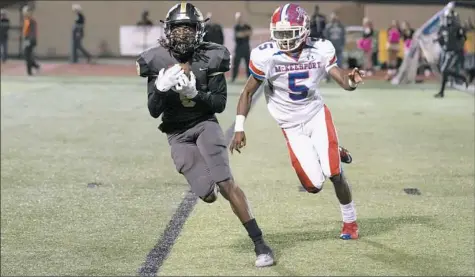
{"type": "Point", "coordinates": [333, 151]}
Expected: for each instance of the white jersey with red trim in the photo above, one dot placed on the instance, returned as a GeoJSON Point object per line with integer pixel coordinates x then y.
{"type": "Point", "coordinates": [291, 83]}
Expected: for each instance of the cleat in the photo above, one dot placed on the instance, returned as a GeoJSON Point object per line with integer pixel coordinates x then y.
{"type": "Point", "coordinates": [264, 254]}
{"type": "Point", "coordinates": [439, 95]}
{"type": "Point", "coordinates": [349, 231]}
{"type": "Point", "coordinates": [345, 155]}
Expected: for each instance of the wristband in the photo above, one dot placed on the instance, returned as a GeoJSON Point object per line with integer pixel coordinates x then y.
{"type": "Point", "coordinates": [239, 124]}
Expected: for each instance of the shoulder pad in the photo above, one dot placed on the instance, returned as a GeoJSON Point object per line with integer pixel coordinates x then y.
{"type": "Point", "coordinates": [151, 61]}
{"type": "Point", "coordinates": [260, 57]}
{"type": "Point", "coordinates": [219, 58]}
{"type": "Point", "coordinates": [264, 51]}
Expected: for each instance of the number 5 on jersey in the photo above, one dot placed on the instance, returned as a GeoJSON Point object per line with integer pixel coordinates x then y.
{"type": "Point", "coordinates": [298, 92]}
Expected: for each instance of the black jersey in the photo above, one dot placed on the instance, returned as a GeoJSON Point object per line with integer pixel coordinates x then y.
{"type": "Point", "coordinates": [209, 63]}
{"type": "Point", "coordinates": [452, 37]}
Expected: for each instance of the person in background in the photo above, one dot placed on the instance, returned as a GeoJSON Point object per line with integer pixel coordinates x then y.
{"type": "Point", "coordinates": [242, 35]}
{"type": "Point", "coordinates": [4, 28]}
{"type": "Point", "coordinates": [468, 25]}
{"type": "Point", "coordinates": [335, 32]}
{"type": "Point", "coordinates": [407, 34]}
{"type": "Point", "coordinates": [375, 54]}
{"type": "Point", "coordinates": [451, 37]}
{"type": "Point", "coordinates": [317, 23]}
{"type": "Point", "coordinates": [213, 31]}
{"type": "Point", "coordinates": [145, 20]}
{"type": "Point", "coordinates": [78, 35]}
{"type": "Point", "coordinates": [366, 45]}
{"type": "Point", "coordinates": [394, 37]}
{"type": "Point", "coordinates": [30, 34]}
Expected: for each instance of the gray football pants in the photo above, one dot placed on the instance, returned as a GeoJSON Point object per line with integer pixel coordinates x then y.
{"type": "Point", "coordinates": [201, 155]}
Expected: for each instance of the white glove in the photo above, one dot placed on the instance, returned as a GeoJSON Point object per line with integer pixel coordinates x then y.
{"type": "Point", "coordinates": [186, 86]}
{"type": "Point", "coordinates": [169, 78]}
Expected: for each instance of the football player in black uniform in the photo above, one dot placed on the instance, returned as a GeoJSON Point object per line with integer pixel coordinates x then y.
{"type": "Point", "coordinates": [188, 104]}
{"type": "Point", "coordinates": [451, 37]}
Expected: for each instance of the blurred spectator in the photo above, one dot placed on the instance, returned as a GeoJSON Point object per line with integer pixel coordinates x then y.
{"type": "Point", "coordinates": [4, 28]}
{"type": "Point", "coordinates": [366, 45]}
{"type": "Point", "coordinates": [145, 21]}
{"type": "Point", "coordinates": [394, 37]}
{"type": "Point", "coordinates": [78, 35]}
{"type": "Point", "coordinates": [213, 31]}
{"type": "Point", "coordinates": [407, 34]}
{"type": "Point", "coordinates": [469, 25]}
{"type": "Point", "coordinates": [374, 56]}
{"type": "Point", "coordinates": [336, 33]}
{"type": "Point", "coordinates": [30, 31]}
{"type": "Point", "coordinates": [242, 34]}
{"type": "Point", "coordinates": [317, 23]}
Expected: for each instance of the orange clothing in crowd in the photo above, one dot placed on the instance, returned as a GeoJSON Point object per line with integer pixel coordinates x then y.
{"type": "Point", "coordinates": [29, 28]}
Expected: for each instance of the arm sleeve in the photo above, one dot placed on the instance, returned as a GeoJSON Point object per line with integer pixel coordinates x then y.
{"type": "Point", "coordinates": [156, 98]}
{"type": "Point", "coordinates": [330, 56]}
{"type": "Point", "coordinates": [216, 97]}
{"type": "Point", "coordinates": [256, 65]}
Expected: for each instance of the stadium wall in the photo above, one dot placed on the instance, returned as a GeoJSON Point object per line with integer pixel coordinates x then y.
{"type": "Point", "coordinates": [104, 18]}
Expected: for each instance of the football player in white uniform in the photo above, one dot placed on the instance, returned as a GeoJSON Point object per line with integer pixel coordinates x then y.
{"type": "Point", "coordinates": [291, 66]}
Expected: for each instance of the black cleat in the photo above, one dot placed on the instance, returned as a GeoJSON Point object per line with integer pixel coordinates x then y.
{"type": "Point", "coordinates": [345, 155]}
{"type": "Point", "coordinates": [439, 95]}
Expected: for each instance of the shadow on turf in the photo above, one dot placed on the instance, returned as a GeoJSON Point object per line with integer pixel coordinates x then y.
{"type": "Point", "coordinates": [368, 227]}
{"type": "Point", "coordinates": [416, 265]}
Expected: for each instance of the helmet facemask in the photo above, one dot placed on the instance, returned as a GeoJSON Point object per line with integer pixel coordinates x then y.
{"type": "Point", "coordinates": [288, 38]}
{"type": "Point", "coordinates": [182, 38]}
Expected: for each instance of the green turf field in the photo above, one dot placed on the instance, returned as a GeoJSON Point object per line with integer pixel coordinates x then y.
{"type": "Point", "coordinates": [58, 135]}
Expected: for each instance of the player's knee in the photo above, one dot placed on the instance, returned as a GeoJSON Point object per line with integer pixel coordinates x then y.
{"type": "Point", "coordinates": [312, 189]}
{"type": "Point", "coordinates": [313, 184]}
{"type": "Point", "coordinates": [211, 196]}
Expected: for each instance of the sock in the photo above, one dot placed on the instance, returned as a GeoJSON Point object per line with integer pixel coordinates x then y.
{"type": "Point", "coordinates": [348, 212]}
{"type": "Point", "coordinates": [254, 231]}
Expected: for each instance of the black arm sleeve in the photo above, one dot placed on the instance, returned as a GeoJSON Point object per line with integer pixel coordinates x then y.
{"type": "Point", "coordinates": [216, 98]}
{"type": "Point", "coordinates": [156, 98]}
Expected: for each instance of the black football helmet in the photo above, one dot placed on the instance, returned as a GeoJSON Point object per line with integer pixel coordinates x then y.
{"type": "Point", "coordinates": [184, 30]}
{"type": "Point", "coordinates": [450, 17]}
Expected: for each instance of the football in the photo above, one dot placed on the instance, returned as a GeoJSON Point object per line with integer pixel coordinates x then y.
{"type": "Point", "coordinates": [186, 68]}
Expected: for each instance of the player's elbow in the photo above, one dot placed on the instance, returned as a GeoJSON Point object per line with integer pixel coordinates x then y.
{"type": "Point", "coordinates": [154, 110]}
{"type": "Point", "coordinates": [220, 106]}
{"type": "Point", "coordinates": [154, 113]}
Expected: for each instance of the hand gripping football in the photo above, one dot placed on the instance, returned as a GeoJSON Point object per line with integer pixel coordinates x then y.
{"type": "Point", "coordinates": [186, 68]}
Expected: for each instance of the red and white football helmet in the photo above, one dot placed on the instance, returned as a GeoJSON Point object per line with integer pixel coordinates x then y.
{"type": "Point", "coordinates": [289, 27]}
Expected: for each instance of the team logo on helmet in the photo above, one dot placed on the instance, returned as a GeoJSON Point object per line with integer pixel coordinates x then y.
{"type": "Point", "coordinates": [301, 12]}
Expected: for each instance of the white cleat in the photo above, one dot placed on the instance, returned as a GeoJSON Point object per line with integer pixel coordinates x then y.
{"type": "Point", "coordinates": [264, 260]}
